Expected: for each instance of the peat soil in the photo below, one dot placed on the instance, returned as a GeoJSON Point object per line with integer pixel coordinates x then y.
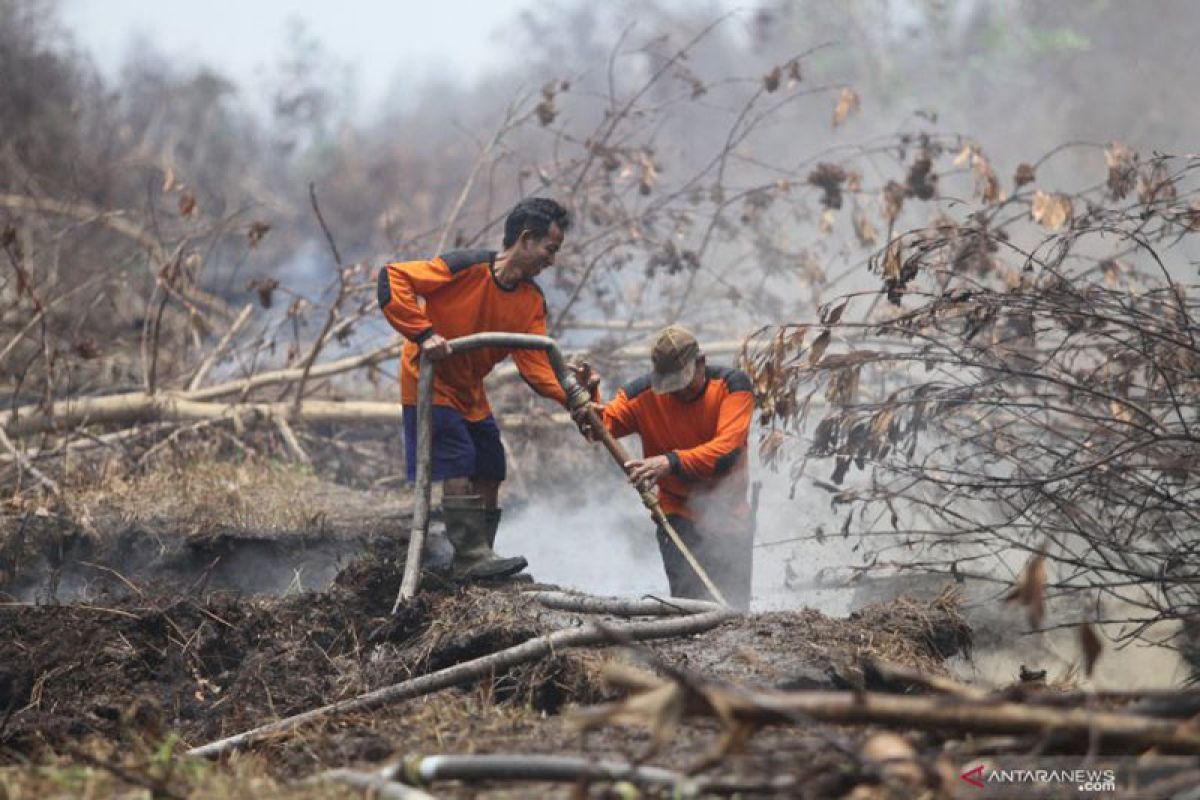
{"type": "Point", "coordinates": [136, 663]}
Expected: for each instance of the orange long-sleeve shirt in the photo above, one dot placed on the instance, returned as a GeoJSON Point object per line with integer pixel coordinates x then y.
{"type": "Point", "coordinates": [455, 295]}
{"type": "Point", "coordinates": [705, 440]}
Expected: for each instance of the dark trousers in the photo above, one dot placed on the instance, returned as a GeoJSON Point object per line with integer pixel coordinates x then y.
{"type": "Point", "coordinates": [727, 556]}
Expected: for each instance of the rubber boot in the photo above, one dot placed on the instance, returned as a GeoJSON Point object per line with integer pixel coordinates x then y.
{"type": "Point", "coordinates": [492, 516]}
{"type": "Point", "coordinates": [468, 529]}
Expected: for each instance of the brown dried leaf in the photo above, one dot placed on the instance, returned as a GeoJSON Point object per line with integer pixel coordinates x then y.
{"type": "Point", "coordinates": [1051, 211]}
{"type": "Point", "coordinates": [1112, 273]}
{"type": "Point", "coordinates": [1157, 186]}
{"type": "Point", "coordinates": [864, 230]}
{"type": "Point", "coordinates": [659, 709]}
{"type": "Point", "coordinates": [828, 218]}
{"type": "Point", "coordinates": [893, 200]}
{"type": "Point", "coordinates": [881, 425]}
{"type": "Point", "coordinates": [1030, 590]}
{"type": "Point", "coordinates": [1122, 169]}
{"type": "Point", "coordinates": [265, 289]}
{"type": "Point", "coordinates": [771, 446]}
{"type": "Point", "coordinates": [86, 348]}
{"type": "Point", "coordinates": [772, 78]}
{"type": "Point", "coordinates": [848, 103]}
{"type": "Point", "coordinates": [834, 314]}
{"type": "Point", "coordinates": [818, 347]}
{"type": "Point", "coordinates": [1191, 217]}
{"type": "Point", "coordinates": [1025, 174]}
{"type": "Point", "coordinates": [892, 263]}
{"type": "Point", "coordinates": [187, 203]}
{"type": "Point", "coordinates": [257, 231]}
{"type": "Point", "coordinates": [1092, 647]}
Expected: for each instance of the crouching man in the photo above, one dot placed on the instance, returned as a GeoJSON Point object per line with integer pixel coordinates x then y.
{"type": "Point", "coordinates": [694, 423]}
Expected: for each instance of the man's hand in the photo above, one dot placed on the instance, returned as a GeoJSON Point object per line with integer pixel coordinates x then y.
{"type": "Point", "coordinates": [587, 377]}
{"type": "Point", "coordinates": [583, 420]}
{"type": "Point", "coordinates": [435, 347]}
{"type": "Point", "coordinates": [644, 473]}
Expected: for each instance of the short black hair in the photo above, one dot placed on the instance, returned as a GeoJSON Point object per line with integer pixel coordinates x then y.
{"type": "Point", "coordinates": [535, 214]}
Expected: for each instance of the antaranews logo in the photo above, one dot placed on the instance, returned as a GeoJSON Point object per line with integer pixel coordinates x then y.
{"type": "Point", "coordinates": [975, 776]}
{"type": "Point", "coordinates": [982, 776]}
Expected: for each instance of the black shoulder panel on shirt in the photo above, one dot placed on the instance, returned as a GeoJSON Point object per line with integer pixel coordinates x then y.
{"type": "Point", "coordinates": [636, 386]}
{"type": "Point", "coordinates": [458, 260]}
{"type": "Point", "coordinates": [735, 379]}
{"type": "Point", "coordinates": [383, 289]}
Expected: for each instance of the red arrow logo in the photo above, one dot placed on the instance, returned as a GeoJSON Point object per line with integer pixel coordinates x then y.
{"type": "Point", "coordinates": [974, 776]}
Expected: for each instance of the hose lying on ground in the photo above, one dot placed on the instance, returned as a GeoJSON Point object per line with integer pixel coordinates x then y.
{"type": "Point", "coordinates": [700, 617]}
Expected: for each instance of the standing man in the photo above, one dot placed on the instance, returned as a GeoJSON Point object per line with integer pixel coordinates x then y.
{"type": "Point", "coordinates": [465, 292]}
{"type": "Point", "coordinates": [694, 422]}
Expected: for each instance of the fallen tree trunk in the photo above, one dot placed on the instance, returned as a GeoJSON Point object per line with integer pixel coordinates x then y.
{"type": "Point", "coordinates": [127, 409]}
{"type": "Point", "coordinates": [741, 712]}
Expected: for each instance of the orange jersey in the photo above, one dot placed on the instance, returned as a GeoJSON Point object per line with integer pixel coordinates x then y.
{"type": "Point", "coordinates": [705, 440]}
{"type": "Point", "coordinates": [461, 296]}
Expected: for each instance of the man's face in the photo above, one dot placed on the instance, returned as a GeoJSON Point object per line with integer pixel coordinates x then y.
{"type": "Point", "coordinates": [537, 254]}
{"type": "Point", "coordinates": [696, 387]}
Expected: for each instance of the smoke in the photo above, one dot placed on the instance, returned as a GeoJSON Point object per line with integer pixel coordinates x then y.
{"type": "Point", "coordinates": [597, 538]}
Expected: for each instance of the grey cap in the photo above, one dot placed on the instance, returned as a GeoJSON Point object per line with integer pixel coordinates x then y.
{"type": "Point", "coordinates": [674, 358]}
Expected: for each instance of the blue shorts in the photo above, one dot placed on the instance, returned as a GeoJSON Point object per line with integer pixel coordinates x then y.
{"type": "Point", "coordinates": [461, 449]}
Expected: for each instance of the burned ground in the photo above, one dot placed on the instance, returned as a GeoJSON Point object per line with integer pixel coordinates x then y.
{"type": "Point", "coordinates": [137, 663]}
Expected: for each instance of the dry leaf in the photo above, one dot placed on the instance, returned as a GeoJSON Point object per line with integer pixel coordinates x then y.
{"type": "Point", "coordinates": [864, 230]}
{"type": "Point", "coordinates": [265, 289]}
{"type": "Point", "coordinates": [1051, 211]}
{"type": "Point", "coordinates": [828, 218]}
{"type": "Point", "coordinates": [1112, 273]}
{"type": "Point", "coordinates": [1025, 174]}
{"type": "Point", "coordinates": [818, 347]}
{"type": "Point", "coordinates": [772, 78]}
{"type": "Point", "coordinates": [893, 200]}
{"type": "Point", "coordinates": [1122, 169]}
{"type": "Point", "coordinates": [257, 231]}
{"type": "Point", "coordinates": [892, 263]}
{"type": "Point", "coordinates": [187, 203]}
{"type": "Point", "coordinates": [835, 314]}
{"type": "Point", "coordinates": [1089, 640]}
{"type": "Point", "coordinates": [86, 348]}
{"type": "Point", "coordinates": [848, 103]}
{"type": "Point", "coordinates": [1030, 590]}
{"type": "Point", "coordinates": [1157, 186]}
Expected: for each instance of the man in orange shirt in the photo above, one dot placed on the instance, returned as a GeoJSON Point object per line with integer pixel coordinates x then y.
{"type": "Point", "coordinates": [465, 292]}
{"type": "Point", "coordinates": [694, 422]}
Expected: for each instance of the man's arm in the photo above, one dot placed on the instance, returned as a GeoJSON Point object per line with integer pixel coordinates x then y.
{"type": "Point", "coordinates": [618, 415]}
{"type": "Point", "coordinates": [534, 365]}
{"type": "Point", "coordinates": [400, 283]}
{"type": "Point", "coordinates": [716, 456]}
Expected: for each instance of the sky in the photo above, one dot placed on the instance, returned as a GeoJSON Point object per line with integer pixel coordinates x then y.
{"type": "Point", "coordinates": [244, 39]}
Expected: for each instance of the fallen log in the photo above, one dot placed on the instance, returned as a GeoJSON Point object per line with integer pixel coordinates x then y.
{"type": "Point", "coordinates": [376, 784]}
{"type": "Point", "coordinates": [741, 712]}
{"type": "Point", "coordinates": [424, 771]}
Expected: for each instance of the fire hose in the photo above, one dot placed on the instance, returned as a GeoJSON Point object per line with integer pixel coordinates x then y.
{"type": "Point", "coordinates": [577, 398]}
